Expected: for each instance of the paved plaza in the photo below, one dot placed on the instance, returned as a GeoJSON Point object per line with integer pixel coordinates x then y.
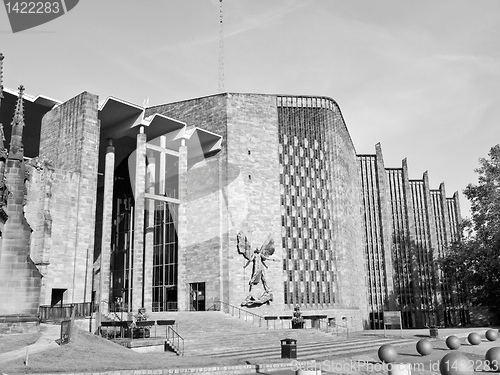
{"type": "Point", "coordinates": [356, 354]}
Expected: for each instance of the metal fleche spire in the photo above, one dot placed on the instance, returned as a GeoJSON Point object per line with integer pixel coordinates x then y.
{"type": "Point", "coordinates": [1, 78]}
{"type": "Point", "coordinates": [2, 134]}
{"type": "Point", "coordinates": [221, 49]}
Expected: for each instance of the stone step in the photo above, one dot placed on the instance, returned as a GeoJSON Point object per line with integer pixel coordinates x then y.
{"type": "Point", "coordinates": [220, 335]}
{"type": "Point", "coordinates": [309, 351]}
{"type": "Point", "coordinates": [270, 338]}
{"type": "Point", "coordinates": [277, 345]}
{"type": "Point", "coordinates": [172, 347]}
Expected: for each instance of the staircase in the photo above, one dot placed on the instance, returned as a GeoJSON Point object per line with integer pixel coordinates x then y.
{"type": "Point", "coordinates": [218, 335]}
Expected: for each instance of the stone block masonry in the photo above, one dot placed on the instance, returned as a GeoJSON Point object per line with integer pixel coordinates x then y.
{"type": "Point", "coordinates": [39, 191]}
{"type": "Point", "coordinates": [238, 189]}
{"type": "Point", "coordinates": [19, 278]}
{"type": "Point", "coordinates": [204, 220]}
{"type": "Point", "coordinates": [69, 143]}
{"type": "Point", "coordinates": [204, 211]}
{"type": "Point", "coordinates": [254, 197]}
{"type": "Point", "coordinates": [212, 370]}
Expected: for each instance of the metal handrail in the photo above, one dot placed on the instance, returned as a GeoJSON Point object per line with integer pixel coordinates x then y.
{"type": "Point", "coordinates": [239, 312]}
{"type": "Point", "coordinates": [175, 336]}
{"type": "Point", "coordinates": [326, 323]}
{"type": "Point", "coordinates": [329, 325]}
{"type": "Point", "coordinates": [62, 312]}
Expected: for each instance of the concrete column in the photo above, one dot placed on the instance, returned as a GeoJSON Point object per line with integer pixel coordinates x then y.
{"type": "Point", "coordinates": [433, 250]}
{"type": "Point", "coordinates": [458, 213]}
{"type": "Point", "coordinates": [386, 226]}
{"type": "Point", "coordinates": [432, 240]}
{"type": "Point", "coordinates": [149, 239]}
{"type": "Point", "coordinates": [444, 210]}
{"type": "Point", "coordinates": [182, 287]}
{"type": "Point", "coordinates": [455, 227]}
{"type": "Point", "coordinates": [140, 188]}
{"type": "Point", "coordinates": [223, 230]}
{"type": "Point", "coordinates": [107, 222]}
{"type": "Point", "coordinates": [444, 284]}
{"type": "Point", "coordinates": [411, 249]}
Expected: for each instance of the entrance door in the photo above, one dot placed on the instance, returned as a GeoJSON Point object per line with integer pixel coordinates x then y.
{"type": "Point", "coordinates": [56, 297]}
{"type": "Point", "coordinates": [197, 296]}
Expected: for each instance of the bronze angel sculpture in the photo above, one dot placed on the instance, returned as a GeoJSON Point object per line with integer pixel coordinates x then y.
{"type": "Point", "coordinates": [258, 257]}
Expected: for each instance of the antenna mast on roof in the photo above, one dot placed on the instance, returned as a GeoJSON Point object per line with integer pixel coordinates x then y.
{"type": "Point", "coordinates": [221, 49]}
{"type": "Point", "coordinates": [1, 78]}
{"type": "Point", "coordinates": [2, 135]}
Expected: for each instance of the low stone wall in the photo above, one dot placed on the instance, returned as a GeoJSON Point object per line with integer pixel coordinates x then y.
{"type": "Point", "coordinates": [214, 370]}
{"type": "Point", "coordinates": [14, 324]}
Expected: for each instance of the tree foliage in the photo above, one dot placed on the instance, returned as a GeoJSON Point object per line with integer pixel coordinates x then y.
{"type": "Point", "coordinates": [485, 199]}
{"type": "Point", "coordinates": [474, 261]}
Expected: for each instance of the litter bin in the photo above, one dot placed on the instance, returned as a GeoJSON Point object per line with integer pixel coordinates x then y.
{"type": "Point", "coordinates": [288, 348]}
{"type": "Point", "coordinates": [434, 333]}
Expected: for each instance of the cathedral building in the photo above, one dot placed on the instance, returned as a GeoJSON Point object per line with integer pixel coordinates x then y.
{"type": "Point", "coordinates": [250, 200]}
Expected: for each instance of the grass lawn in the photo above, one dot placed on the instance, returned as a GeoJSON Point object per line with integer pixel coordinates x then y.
{"type": "Point", "coordinates": [88, 353]}
{"type": "Point", "coordinates": [13, 342]}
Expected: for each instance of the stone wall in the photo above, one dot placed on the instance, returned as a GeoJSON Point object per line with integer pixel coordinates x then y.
{"type": "Point", "coordinates": [69, 145]}
{"type": "Point", "coordinates": [39, 191]}
{"type": "Point", "coordinates": [232, 191]}
{"type": "Point", "coordinates": [207, 113]}
{"type": "Point", "coordinates": [253, 198]}
{"type": "Point", "coordinates": [203, 256]}
{"type": "Point", "coordinates": [204, 207]}
{"type": "Point", "coordinates": [321, 208]}
{"type": "Point", "coordinates": [18, 324]}
{"type": "Point", "coordinates": [377, 236]}
{"type": "Point", "coordinates": [346, 212]}
{"type": "Point", "coordinates": [239, 190]}
{"type": "Point", "coordinates": [19, 277]}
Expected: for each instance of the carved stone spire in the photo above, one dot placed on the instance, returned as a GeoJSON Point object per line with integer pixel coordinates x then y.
{"type": "Point", "coordinates": [16, 150]}
{"type": "Point", "coordinates": [3, 150]}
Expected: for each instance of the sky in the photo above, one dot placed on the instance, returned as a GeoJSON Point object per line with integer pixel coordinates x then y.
{"type": "Point", "coordinates": [420, 77]}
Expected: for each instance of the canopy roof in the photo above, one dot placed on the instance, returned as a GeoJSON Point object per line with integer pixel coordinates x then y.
{"type": "Point", "coordinates": [121, 121]}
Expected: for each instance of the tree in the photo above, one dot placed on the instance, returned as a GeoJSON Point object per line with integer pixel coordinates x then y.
{"type": "Point", "coordinates": [474, 261]}
{"type": "Point", "coordinates": [485, 199]}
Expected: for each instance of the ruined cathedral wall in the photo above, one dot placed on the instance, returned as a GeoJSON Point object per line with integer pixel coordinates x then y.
{"type": "Point", "coordinates": [19, 277]}
{"type": "Point", "coordinates": [37, 194]}
{"type": "Point", "coordinates": [33, 211]}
